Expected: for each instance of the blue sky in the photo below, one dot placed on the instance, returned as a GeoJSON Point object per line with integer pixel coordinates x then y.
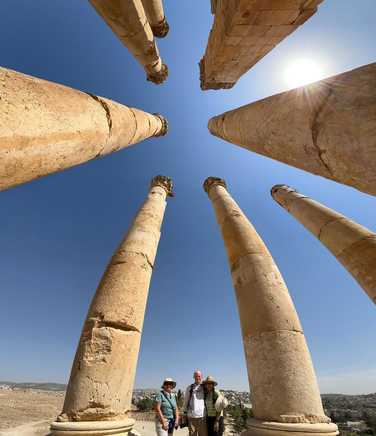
{"type": "Point", "coordinates": [59, 232]}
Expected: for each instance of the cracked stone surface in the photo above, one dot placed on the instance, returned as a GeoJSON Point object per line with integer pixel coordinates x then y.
{"type": "Point", "coordinates": [128, 20]}
{"type": "Point", "coordinates": [352, 244]}
{"type": "Point", "coordinates": [46, 127]}
{"type": "Point", "coordinates": [281, 375]}
{"type": "Point", "coordinates": [102, 376]}
{"type": "Point", "coordinates": [327, 128]}
{"type": "Point", "coordinates": [244, 32]}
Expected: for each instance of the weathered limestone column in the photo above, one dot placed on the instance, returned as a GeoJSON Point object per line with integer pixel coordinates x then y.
{"type": "Point", "coordinates": [244, 32]}
{"type": "Point", "coordinates": [100, 388]}
{"type": "Point", "coordinates": [156, 16]}
{"type": "Point", "coordinates": [127, 19]}
{"type": "Point", "coordinates": [327, 128]}
{"type": "Point", "coordinates": [285, 395]}
{"type": "Point", "coordinates": [352, 244]}
{"type": "Point", "coordinates": [46, 127]}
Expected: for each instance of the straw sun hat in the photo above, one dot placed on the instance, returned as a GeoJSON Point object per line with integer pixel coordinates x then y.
{"type": "Point", "coordinates": [210, 379]}
{"type": "Point", "coordinates": [169, 381]}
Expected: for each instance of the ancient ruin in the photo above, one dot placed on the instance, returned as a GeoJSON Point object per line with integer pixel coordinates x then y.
{"type": "Point", "coordinates": [285, 394]}
{"type": "Point", "coordinates": [100, 388]}
{"type": "Point", "coordinates": [129, 22]}
{"type": "Point", "coordinates": [327, 128]}
{"type": "Point", "coordinates": [46, 127]}
{"type": "Point", "coordinates": [156, 17]}
{"type": "Point", "coordinates": [244, 32]}
{"type": "Point", "coordinates": [352, 244]}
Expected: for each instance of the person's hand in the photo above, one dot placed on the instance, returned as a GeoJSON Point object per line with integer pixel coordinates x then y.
{"type": "Point", "coordinates": [165, 424]}
{"type": "Point", "coordinates": [216, 426]}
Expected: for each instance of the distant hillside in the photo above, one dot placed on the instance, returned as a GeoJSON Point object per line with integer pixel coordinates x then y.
{"type": "Point", "coordinates": [40, 386]}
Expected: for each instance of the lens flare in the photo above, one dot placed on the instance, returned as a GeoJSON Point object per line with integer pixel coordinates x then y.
{"type": "Point", "coordinates": [303, 71]}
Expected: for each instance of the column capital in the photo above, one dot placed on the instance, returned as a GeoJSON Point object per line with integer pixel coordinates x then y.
{"type": "Point", "coordinates": [282, 186]}
{"type": "Point", "coordinates": [161, 29]}
{"type": "Point", "coordinates": [164, 182]}
{"type": "Point", "coordinates": [212, 181]}
{"type": "Point", "coordinates": [164, 121]}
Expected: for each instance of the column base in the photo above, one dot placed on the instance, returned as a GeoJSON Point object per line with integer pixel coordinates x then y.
{"type": "Point", "coordinates": [92, 428]}
{"type": "Point", "coordinates": [263, 428]}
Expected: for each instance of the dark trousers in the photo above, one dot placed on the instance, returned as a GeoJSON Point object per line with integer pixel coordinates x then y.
{"type": "Point", "coordinates": [210, 420]}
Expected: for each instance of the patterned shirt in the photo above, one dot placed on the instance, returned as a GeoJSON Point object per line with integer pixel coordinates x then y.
{"type": "Point", "coordinates": [167, 402]}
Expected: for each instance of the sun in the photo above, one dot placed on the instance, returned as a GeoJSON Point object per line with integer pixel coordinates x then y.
{"type": "Point", "coordinates": [303, 71]}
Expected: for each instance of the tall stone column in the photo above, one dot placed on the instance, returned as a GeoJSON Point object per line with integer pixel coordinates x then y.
{"type": "Point", "coordinates": [352, 244]}
{"type": "Point", "coordinates": [285, 395]}
{"type": "Point", "coordinates": [46, 127]}
{"type": "Point", "coordinates": [128, 21]}
{"type": "Point", "coordinates": [327, 128]}
{"type": "Point", "coordinates": [156, 16]}
{"type": "Point", "coordinates": [100, 388]}
{"type": "Point", "coordinates": [244, 32]}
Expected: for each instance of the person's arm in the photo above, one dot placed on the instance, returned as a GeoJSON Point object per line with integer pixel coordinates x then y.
{"type": "Point", "coordinates": [177, 416]}
{"type": "Point", "coordinates": [162, 419]}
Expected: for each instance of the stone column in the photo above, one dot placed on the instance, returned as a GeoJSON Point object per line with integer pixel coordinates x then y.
{"type": "Point", "coordinates": [244, 32]}
{"type": "Point", "coordinates": [352, 244]}
{"type": "Point", "coordinates": [128, 21]}
{"type": "Point", "coordinates": [156, 16]}
{"type": "Point", "coordinates": [327, 128]}
{"type": "Point", "coordinates": [285, 395]}
{"type": "Point", "coordinates": [46, 127]}
{"type": "Point", "coordinates": [100, 388]}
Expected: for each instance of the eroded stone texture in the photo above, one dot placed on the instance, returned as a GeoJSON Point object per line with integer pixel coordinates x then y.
{"type": "Point", "coordinates": [281, 375]}
{"type": "Point", "coordinates": [245, 31]}
{"type": "Point", "coordinates": [156, 16]}
{"type": "Point", "coordinates": [102, 376]}
{"type": "Point", "coordinates": [127, 19]}
{"type": "Point", "coordinates": [352, 244]}
{"type": "Point", "coordinates": [46, 127]}
{"type": "Point", "coordinates": [327, 128]}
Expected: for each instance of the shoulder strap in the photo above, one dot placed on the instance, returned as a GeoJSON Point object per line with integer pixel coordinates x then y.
{"type": "Point", "coordinates": [168, 400]}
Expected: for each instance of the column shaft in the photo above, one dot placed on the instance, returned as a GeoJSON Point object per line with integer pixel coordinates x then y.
{"type": "Point", "coordinates": [352, 244]}
{"type": "Point", "coordinates": [244, 32]}
{"type": "Point", "coordinates": [156, 16]}
{"type": "Point", "coordinates": [46, 127]}
{"type": "Point", "coordinates": [102, 376]}
{"type": "Point", "coordinates": [128, 21]}
{"type": "Point", "coordinates": [281, 375]}
{"type": "Point", "coordinates": [327, 128]}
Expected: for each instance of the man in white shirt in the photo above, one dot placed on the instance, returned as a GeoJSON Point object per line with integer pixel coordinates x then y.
{"type": "Point", "coordinates": [194, 406]}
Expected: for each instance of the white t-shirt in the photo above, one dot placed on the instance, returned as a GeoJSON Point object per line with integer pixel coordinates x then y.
{"type": "Point", "coordinates": [196, 407]}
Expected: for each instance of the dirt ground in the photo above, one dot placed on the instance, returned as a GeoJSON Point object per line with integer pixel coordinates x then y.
{"type": "Point", "coordinates": [30, 412]}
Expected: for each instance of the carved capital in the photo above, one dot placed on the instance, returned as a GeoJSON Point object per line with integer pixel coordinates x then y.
{"type": "Point", "coordinates": [275, 188]}
{"type": "Point", "coordinates": [211, 181]}
{"type": "Point", "coordinates": [161, 29]}
{"type": "Point", "coordinates": [164, 182]}
{"type": "Point", "coordinates": [158, 77]}
{"type": "Point", "coordinates": [164, 121]}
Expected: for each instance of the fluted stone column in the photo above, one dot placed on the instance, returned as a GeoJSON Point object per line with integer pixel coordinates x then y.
{"type": "Point", "coordinates": [46, 127]}
{"type": "Point", "coordinates": [156, 16]}
{"type": "Point", "coordinates": [285, 395]}
{"type": "Point", "coordinates": [327, 128]}
{"type": "Point", "coordinates": [102, 376]}
{"type": "Point", "coordinates": [352, 244]}
{"type": "Point", "coordinates": [127, 19]}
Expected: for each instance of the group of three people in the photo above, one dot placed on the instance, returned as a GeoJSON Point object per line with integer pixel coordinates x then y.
{"type": "Point", "coordinates": [202, 409]}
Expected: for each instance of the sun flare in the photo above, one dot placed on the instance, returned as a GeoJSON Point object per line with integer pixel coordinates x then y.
{"type": "Point", "coordinates": [302, 72]}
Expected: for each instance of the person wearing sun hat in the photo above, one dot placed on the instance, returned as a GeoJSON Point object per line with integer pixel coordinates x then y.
{"type": "Point", "coordinates": [167, 412]}
{"type": "Point", "coordinates": [215, 403]}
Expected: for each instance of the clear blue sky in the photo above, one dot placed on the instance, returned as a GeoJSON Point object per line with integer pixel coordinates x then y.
{"type": "Point", "coordinates": [58, 233]}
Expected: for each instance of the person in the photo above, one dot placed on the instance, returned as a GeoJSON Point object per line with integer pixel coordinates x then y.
{"type": "Point", "coordinates": [215, 403]}
{"type": "Point", "coordinates": [194, 406]}
{"type": "Point", "coordinates": [167, 412]}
